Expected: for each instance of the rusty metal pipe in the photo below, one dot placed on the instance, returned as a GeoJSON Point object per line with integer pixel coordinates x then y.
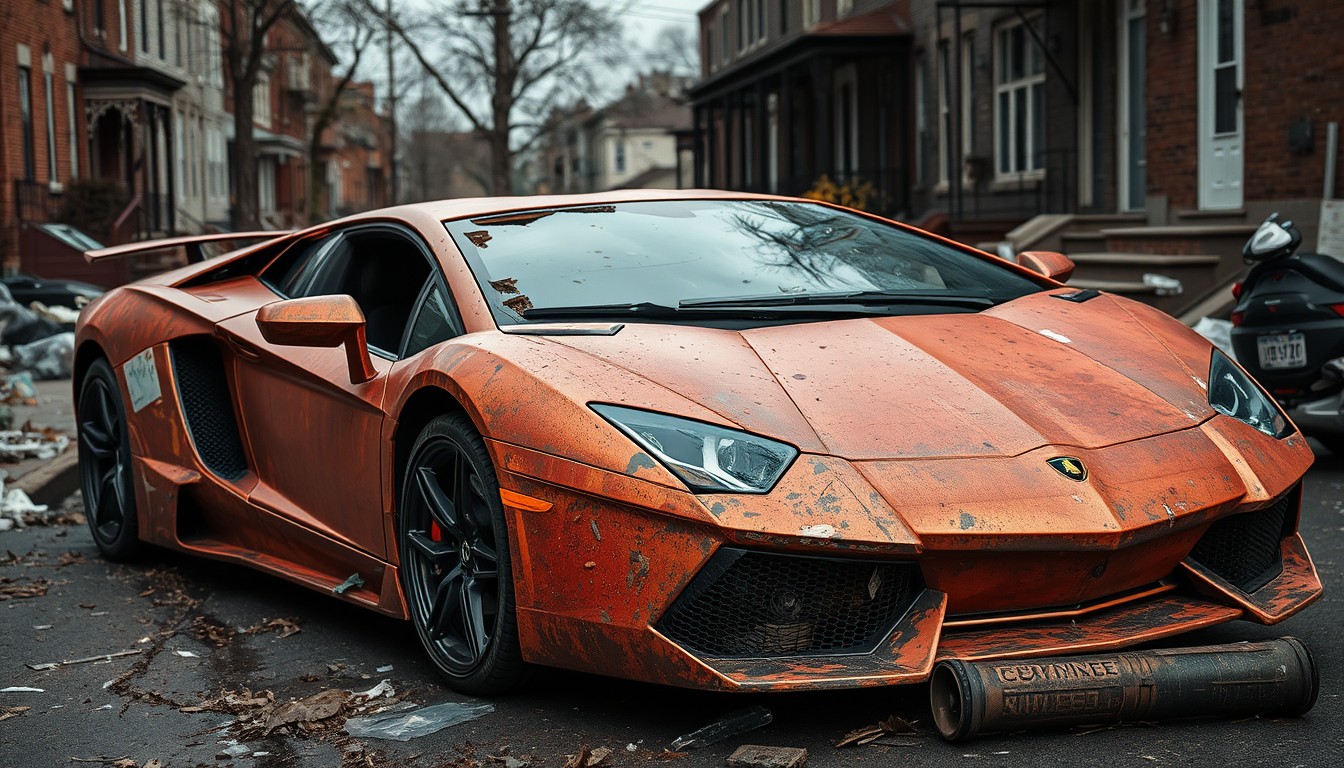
{"type": "Point", "coordinates": [1275, 677]}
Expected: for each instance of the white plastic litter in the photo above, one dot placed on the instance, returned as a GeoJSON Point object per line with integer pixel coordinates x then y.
{"type": "Point", "coordinates": [22, 689]}
{"type": "Point", "coordinates": [404, 726]}
{"type": "Point", "coordinates": [383, 689]}
{"type": "Point", "coordinates": [49, 358]}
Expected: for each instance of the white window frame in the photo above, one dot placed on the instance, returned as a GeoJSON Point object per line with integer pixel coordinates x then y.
{"type": "Point", "coordinates": [49, 96]}
{"type": "Point", "coordinates": [725, 39]}
{"type": "Point", "coordinates": [943, 85]}
{"type": "Point", "coordinates": [843, 7]}
{"type": "Point", "coordinates": [261, 100]}
{"type": "Point", "coordinates": [1005, 166]}
{"type": "Point", "coordinates": [121, 18]}
{"type": "Point", "coordinates": [811, 12]}
{"type": "Point", "coordinates": [72, 119]}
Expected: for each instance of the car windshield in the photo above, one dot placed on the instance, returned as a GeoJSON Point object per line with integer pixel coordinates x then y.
{"type": "Point", "coordinates": [702, 260]}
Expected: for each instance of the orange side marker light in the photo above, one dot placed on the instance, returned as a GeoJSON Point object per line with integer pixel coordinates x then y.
{"type": "Point", "coordinates": [523, 502]}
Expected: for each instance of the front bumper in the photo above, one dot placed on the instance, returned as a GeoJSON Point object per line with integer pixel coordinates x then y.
{"type": "Point", "coordinates": [600, 578]}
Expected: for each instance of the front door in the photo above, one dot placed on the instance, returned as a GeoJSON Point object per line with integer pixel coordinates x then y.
{"type": "Point", "coordinates": [1133, 125]}
{"type": "Point", "coordinates": [1221, 135]}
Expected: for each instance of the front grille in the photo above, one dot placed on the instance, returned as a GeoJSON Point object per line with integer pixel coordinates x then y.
{"type": "Point", "coordinates": [207, 405]}
{"type": "Point", "coordinates": [751, 604]}
{"type": "Point", "coordinates": [1243, 549]}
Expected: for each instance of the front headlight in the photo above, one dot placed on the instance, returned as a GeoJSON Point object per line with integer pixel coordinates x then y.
{"type": "Point", "coordinates": [1232, 393]}
{"type": "Point", "coordinates": [707, 458]}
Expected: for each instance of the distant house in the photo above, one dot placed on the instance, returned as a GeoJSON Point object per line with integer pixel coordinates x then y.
{"type": "Point", "coordinates": [630, 143]}
{"type": "Point", "coordinates": [1143, 137]}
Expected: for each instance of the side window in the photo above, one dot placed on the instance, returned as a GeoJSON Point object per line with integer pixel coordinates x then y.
{"type": "Point", "coordinates": [286, 274]}
{"type": "Point", "coordinates": [432, 325]}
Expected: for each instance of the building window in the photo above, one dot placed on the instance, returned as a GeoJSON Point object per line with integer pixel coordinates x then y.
{"type": "Point", "coordinates": [73, 122]}
{"type": "Point", "coordinates": [620, 156]}
{"type": "Point", "coordinates": [811, 12]}
{"type": "Point", "coordinates": [944, 113]}
{"type": "Point", "coordinates": [921, 122]}
{"type": "Point", "coordinates": [261, 100]}
{"type": "Point", "coordinates": [99, 23]}
{"type": "Point", "coordinates": [744, 24]}
{"type": "Point", "coordinates": [725, 40]}
{"type": "Point", "coordinates": [968, 95]}
{"type": "Point", "coordinates": [144, 26]}
{"type": "Point", "coordinates": [26, 121]}
{"type": "Point", "coordinates": [121, 21]}
{"type": "Point", "coordinates": [710, 63]}
{"type": "Point", "coordinates": [50, 101]}
{"type": "Point", "coordinates": [1019, 103]}
{"type": "Point", "coordinates": [760, 20]}
{"type": "Point", "coordinates": [162, 34]}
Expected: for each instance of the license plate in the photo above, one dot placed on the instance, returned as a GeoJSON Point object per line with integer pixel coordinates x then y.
{"type": "Point", "coordinates": [1282, 350]}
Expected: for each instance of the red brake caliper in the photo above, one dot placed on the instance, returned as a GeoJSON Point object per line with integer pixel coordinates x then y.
{"type": "Point", "coordinates": [435, 532]}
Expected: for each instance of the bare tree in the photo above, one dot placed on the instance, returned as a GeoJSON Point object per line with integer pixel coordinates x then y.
{"type": "Point", "coordinates": [243, 29]}
{"type": "Point", "coordinates": [356, 31]}
{"type": "Point", "coordinates": [504, 63]}
{"type": "Point", "coordinates": [674, 50]}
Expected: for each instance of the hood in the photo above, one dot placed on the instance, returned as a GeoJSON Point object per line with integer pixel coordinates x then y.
{"type": "Point", "coordinates": [1037, 371]}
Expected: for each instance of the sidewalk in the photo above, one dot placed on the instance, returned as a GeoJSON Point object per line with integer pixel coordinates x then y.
{"type": "Point", "coordinates": [48, 481]}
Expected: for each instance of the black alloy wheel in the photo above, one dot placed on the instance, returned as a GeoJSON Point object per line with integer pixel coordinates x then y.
{"type": "Point", "coordinates": [105, 464]}
{"type": "Point", "coordinates": [455, 566]}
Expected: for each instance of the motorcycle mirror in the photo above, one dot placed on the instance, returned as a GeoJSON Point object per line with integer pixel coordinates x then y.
{"type": "Point", "coordinates": [1272, 239]}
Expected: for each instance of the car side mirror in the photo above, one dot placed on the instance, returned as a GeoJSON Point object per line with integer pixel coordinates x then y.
{"type": "Point", "coordinates": [320, 321]}
{"type": "Point", "coordinates": [1055, 266]}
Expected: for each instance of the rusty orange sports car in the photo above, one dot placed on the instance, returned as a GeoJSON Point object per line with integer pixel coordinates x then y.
{"type": "Point", "coordinates": [695, 438]}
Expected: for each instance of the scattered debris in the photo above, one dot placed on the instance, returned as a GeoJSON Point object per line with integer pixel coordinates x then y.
{"type": "Point", "coordinates": [732, 724]}
{"type": "Point", "coordinates": [519, 303]}
{"type": "Point", "coordinates": [285, 627]}
{"type": "Point", "coordinates": [233, 703]}
{"type": "Point", "coordinates": [354, 581]}
{"type": "Point", "coordinates": [755, 756]}
{"type": "Point", "coordinates": [11, 589]}
{"type": "Point", "coordinates": [22, 689]}
{"type": "Point", "coordinates": [209, 630]}
{"type": "Point", "coordinates": [86, 660]}
{"type": "Point", "coordinates": [404, 726]}
{"type": "Point", "coordinates": [309, 711]}
{"type": "Point", "coordinates": [187, 654]}
{"type": "Point", "coordinates": [379, 691]}
{"type": "Point", "coordinates": [8, 712]}
{"type": "Point", "coordinates": [49, 358]}
{"type": "Point", "coordinates": [387, 668]}
{"type": "Point", "coordinates": [71, 558]}
{"type": "Point", "coordinates": [506, 285]}
{"type": "Point", "coordinates": [16, 444]}
{"type": "Point", "coordinates": [892, 726]}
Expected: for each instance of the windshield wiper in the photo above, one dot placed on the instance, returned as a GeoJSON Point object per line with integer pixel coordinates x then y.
{"type": "Point", "coordinates": [843, 297]}
{"type": "Point", "coordinates": [644, 309]}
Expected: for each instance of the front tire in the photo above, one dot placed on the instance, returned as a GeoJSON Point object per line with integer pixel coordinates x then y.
{"type": "Point", "coordinates": [105, 464]}
{"type": "Point", "coordinates": [455, 568]}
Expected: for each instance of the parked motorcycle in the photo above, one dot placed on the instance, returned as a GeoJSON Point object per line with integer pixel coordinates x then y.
{"type": "Point", "coordinates": [1288, 328]}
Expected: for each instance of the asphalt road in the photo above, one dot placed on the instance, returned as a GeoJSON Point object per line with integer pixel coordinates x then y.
{"type": "Point", "coordinates": [167, 608]}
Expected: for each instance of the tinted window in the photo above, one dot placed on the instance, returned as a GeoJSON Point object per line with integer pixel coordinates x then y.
{"type": "Point", "coordinates": [283, 275]}
{"type": "Point", "coordinates": [672, 251]}
{"type": "Point", "coordinates": [432, 325]}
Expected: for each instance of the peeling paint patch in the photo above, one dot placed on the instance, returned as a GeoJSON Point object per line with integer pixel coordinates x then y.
{"type": "Point", "coordinates": [639, 570]}
{"type": "Point", "coordinates": [967, 522]}
{"type": "Point", "coordinates": [596, 533]}
{"type": "Point", "coordinates": [717, 509]}
{"type": "Point", "coordinates": [637, 462]}
{"type": "Point", "coordinates": [820, 531]}
{"type": "Point", "coordinates": [1061, 338]}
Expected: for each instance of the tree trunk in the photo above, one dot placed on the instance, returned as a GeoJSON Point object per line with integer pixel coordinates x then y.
{"type": "Point", "coordinates": [246, 215]}
{"type": "Point", "coordinates": [501, 103]}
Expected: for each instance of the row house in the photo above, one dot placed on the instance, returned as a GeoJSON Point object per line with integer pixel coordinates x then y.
{"type": "Point", "coordinates": [353, 159]}
{"type": "Point", "coordinates": [116, 117]}
{"type": "Point", "coordinates": [636, 141]}
{"type": "Point", "coordinates": [1143, 137]}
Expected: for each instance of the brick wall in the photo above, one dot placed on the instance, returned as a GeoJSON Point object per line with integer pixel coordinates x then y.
{"type": "Point", "coordinates": [48, 32]}
{"type": "Point", "coordinates": [1294, 70]}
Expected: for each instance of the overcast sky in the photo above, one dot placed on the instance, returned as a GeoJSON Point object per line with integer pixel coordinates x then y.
{"type": "Point", "coordinates": [645, 17]}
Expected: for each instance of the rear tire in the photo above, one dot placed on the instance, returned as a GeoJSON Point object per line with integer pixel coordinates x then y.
{"type": "Point", "coordinates": [455, 568]}
{"type": "Point", "coordinates": [105, 464]}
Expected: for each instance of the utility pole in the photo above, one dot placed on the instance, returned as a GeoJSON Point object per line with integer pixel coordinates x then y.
{"type": "Point", "coordinates": [501, 97]}
{"type": "Point", "coordinates": [391, 110]}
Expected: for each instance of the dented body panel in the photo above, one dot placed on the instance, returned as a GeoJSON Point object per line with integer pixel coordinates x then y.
{"type": "Point", "coordinates": [925, 448]}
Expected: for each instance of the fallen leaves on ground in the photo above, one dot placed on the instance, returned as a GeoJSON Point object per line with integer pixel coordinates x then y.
{"type": "Point", "coordinates": [71, 558]}
{"type": "Point", "coordinates": [208, 630]}
{"type": "Point", "coordinates": [588, 758]}
{"type": "Point", "coordinates": [8, 712]}
{"type": "Point", "coordinates": [285, 627]}
{"type": "Point", "coordinates": [892, 726]}
{"type": "Point", "coordinates": [13, 589]}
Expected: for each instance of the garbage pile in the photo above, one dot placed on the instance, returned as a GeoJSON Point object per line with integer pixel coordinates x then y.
{"type": "Point", "coordinates": [36, 339]}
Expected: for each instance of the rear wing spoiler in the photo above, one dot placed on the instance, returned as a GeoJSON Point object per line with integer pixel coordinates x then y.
{"type": "Point", "coordinates": [193, 244]}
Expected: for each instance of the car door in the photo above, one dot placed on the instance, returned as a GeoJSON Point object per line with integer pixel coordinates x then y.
{"type": "Point", "coordinates": [313, 434]}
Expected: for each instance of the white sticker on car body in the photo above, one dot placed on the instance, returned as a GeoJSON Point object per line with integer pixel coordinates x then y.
{"type": "Point", "coordinates": [142, 379]}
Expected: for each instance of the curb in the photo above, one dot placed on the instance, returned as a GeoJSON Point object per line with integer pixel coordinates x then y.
{"type": "Point", "coordinates": [52, 482]}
